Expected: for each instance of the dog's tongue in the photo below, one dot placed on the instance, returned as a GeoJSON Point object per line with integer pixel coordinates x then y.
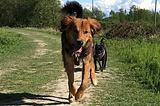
{"type": "Point", "coordinates": [77, 49]}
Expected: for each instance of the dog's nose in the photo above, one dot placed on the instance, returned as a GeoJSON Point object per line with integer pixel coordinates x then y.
{"type": "Point", "coordinates": [80, 42]}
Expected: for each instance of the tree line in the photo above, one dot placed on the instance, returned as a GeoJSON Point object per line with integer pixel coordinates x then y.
{"type": "Point", "coordinates": [29, 13]}
{"type": "Point", "coordinates": [135, 14]}
{"type": "Point", "coordinates": [46, 13]}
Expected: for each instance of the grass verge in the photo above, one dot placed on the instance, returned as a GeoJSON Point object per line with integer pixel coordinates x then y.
{"type": "Point", "coordinates": [128, 60]}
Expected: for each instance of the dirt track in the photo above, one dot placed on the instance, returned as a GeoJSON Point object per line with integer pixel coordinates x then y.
{"type": "Point", "coordinates": [60, 94]}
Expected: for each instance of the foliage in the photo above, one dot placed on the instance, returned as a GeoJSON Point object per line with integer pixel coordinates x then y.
{"type": "Point", "coordinates": [144, 60]}
{"type": "Point", "coordinates": [87, 13]}
{"type": "Point", "coordinates": [141, 56]}
{"type": "Point", "coordinates": [121, 85]}
{"type": "Point", "coordinates": [99, 15]}
{"type": "Point", "coordinates": [132, 30]}
{"type": "Point", "coordinates": [8, 41]}
{"type": "Point", "coordinates": [122, 15]}
{"type": "Point", "coordinates": [24, 13]}
{"type": "Point", "coordinates": [9, 38]}
{"type": "Point", "coordinates": [136, 14]}
{"type": "Point", "coordinates": [96, 14]}
{"type": "Point", "coordinates": [46, 14]}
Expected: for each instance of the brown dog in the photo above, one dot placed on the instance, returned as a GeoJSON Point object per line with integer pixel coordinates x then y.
{"type": "Point", "coordinates": [77, 45]}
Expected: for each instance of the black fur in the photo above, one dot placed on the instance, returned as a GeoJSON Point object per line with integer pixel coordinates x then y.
{"type": "Point", "coordinates": [73, 7]}
{"type": "Point", "coordinates": [100, 54]}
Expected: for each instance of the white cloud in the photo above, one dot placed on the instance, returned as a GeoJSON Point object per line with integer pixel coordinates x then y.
{"type": "Point", "coordinates": [145, 4]}
{"type": "Point", "coordinates": [87, 5]}
{"type": "Point", "coordinates": [107, 5]}
{"type": "Point", "coordinates": [126, 5]}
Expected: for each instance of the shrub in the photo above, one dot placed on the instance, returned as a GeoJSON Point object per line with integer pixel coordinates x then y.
{"type": "Point", "coordinates": [8, 40]}
{"type": "Point", "coordinates": [132, 30]}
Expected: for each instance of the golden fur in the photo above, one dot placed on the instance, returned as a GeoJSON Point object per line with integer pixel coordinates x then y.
{"type": "Point", "coordinates": [78, 29]}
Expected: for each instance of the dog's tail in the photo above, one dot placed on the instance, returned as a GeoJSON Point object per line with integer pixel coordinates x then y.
{"type": "Point", "coordinates": [72, 7]}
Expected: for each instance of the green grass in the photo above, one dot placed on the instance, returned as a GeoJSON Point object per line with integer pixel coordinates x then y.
{"type": "Point", "coordinates": [134, 66]}
{"type": "Point", "coordinates": [143, 59]}
{"type": "Point", "coordinates": [21, 72]}
{"type": "Point", "coordinates": [8, 41]}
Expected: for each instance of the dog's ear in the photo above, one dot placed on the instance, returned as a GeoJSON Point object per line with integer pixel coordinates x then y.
{"type": "Point", "coordinates": [95, 26]}
{"type": "Point", "coordinates": [66, 22]}
{"type": "Point", "coordinates": [102, 43]}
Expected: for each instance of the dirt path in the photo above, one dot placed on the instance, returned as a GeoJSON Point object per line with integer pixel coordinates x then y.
{"type": "Point", "coordinates": [60, 94]}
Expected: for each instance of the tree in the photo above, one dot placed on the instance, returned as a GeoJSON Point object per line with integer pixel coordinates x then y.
{"type": "Point", "coordinates": [35, 13]}
{"type": "Point", "coordinates": [112, 13]}
{"type": "Point", "coordinates": [122, 16]}
{"type": "Point", "coordinates": [6, 12]}
{"type": "Point", "coordinates": [87, 13]}
{"type": "Point", "coordinates": [114, 16]}
{"type": "Point", "coordinates": [46, 14]}
{"type": "Point", "coordinates": [98, 14]}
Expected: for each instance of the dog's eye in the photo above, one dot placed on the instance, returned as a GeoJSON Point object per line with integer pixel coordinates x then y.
{"type": "Point", "coordinates": [86, 32]}
{"type": "Point", "coordinates": [76, 31]}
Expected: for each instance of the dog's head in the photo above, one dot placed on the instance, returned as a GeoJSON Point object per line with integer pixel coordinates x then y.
{"type": "Point", "coordinates": [79, 31]}
{"type": "Point", "coordinates": [100, 49]}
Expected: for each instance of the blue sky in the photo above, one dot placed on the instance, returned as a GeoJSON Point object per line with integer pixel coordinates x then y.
{"type": "Point", "coordinates": [107, 5]}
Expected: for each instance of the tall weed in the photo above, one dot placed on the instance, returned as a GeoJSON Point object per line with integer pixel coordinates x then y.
{"type": "Point", "coordinates": [145, 60]}
{"type": "Point", "coordinates": [8, 40]}
{"type": "Point", "coordinates": [141, 56]}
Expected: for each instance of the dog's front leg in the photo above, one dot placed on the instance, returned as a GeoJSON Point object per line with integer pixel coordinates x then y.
{"type": "Point", "coordinates": [70, 73]}
{"type": "Point", "coordinates": [104, 62]}
{"type": "Point", "coordinates": [95, 63]}
{"type": "Point", "coordinates": [101, 68]}
{"type": "Point", "coordinates": [93, 75]}
{"type": "Point", "coordinates": [85, 74]}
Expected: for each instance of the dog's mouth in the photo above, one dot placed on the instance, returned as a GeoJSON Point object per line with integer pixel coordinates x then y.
{"type": "Point", "coordinates": [100, 53]}
{"type": "Point", "coordinates": [78, 46]}
{"type": "Point", "coordinates": [77, 49]}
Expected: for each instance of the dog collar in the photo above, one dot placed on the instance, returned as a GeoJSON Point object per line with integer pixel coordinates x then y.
{"type": "Point", "coordinates": [87, 52]}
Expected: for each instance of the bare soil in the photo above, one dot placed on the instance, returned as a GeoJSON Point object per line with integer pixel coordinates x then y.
{"type": "Point", "coordinates": [59, 96]}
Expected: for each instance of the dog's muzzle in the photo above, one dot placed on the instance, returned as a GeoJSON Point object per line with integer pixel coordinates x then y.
{"type": "Point", "coordinates": [78, 46]}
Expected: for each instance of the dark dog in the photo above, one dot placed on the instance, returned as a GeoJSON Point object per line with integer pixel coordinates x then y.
{"type": "Point", "coordinates": [77, 45]}
{"type": "Point", "coordinates": [100, 55]}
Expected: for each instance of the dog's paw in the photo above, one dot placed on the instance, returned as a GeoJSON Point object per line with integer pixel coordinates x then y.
{"type": "Point", "coordinates": [71, 100]}
{"type": "Point", "coordinates": [78, 96]}
{"type": "Point", "coordinates": [101, 69]}
{"type": "Point", "coordinates": [94, 82]}
{"type": "Point", "coordinates": [97, 70]}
